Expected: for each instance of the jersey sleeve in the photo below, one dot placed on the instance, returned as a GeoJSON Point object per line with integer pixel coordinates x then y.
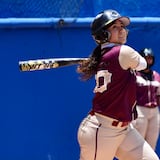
{"type": "Point", "coordinates": [129, 58]}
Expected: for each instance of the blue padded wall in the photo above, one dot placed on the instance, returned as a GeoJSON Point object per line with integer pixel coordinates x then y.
{"type": "Point", "coordinates": [41, 110]}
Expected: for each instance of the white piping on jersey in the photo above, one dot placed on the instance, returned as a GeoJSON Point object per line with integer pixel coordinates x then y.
{"type": "Point", "coordinates": [149, 91]}
{"type": "Point", "coordinates": [133, 117]}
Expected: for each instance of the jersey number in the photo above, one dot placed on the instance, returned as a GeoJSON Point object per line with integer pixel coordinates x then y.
{"type": "Point", "coordinates": [103, 78]}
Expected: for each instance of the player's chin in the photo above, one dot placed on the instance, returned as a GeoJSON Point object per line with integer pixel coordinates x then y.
{"type": "Point", "coordinates": [122, 41]}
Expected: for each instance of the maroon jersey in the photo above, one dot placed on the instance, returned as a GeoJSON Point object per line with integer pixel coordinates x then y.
{"type": "Point", "coordinates": [147, 88]}
{"type": "Point", "coordinates": [115, 91]}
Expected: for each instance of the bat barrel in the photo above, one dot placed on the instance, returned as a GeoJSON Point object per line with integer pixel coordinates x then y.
{"type": "Point", "coordinates": [41, 64]}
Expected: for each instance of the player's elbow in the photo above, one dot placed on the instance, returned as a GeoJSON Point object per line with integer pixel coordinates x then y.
{"type": "Point", "coordinates": [141, 65]}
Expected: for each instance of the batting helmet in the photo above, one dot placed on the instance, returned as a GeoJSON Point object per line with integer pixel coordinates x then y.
{"type": "Point", "coordinates": [105, 19]}
{"type": "Point", "coordinates": [147, 52]}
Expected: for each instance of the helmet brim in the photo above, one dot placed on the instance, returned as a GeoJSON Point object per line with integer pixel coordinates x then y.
{"type": "Point", "coordinates": [125, 20]}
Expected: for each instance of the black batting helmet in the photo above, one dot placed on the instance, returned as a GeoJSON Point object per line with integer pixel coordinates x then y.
{"type": "Point", "coordinates": [105, 19]}
{"type": "Point", "coordinates": [147, 52]}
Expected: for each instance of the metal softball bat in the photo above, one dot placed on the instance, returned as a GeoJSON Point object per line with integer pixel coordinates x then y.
{"type": "Point", "coordinates": [42, 64]}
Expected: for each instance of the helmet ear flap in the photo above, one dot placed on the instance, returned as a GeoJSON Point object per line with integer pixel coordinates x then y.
{"type": "Point", "coordinates": [107, 34]}
{"type": "Point", "coordinates": [103, 36]}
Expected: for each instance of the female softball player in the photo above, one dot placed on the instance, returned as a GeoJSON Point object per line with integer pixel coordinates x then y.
{"type": "Point", "coordinates": [148, 96]}
{"type": "Point", "coordinates": [106, 132]}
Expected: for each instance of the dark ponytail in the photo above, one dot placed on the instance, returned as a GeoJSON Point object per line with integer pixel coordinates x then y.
{"type": "Point", "coordinates": [87, 69]}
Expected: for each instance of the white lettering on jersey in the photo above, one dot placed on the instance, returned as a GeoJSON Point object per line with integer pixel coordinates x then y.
{"type": "Point", "coordinates": [102, 77]}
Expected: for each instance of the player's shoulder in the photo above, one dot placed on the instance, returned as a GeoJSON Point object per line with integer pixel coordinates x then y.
{"type": "Point", "coordinates": [156, 73]}
{"type": "Point", "coordinates": [128, 57]}
{"type": "Point", "coordinates": [125, 49]}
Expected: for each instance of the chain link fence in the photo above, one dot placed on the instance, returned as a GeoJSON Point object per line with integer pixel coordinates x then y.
{"type": "Point", "coordinates": [40, 8]}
